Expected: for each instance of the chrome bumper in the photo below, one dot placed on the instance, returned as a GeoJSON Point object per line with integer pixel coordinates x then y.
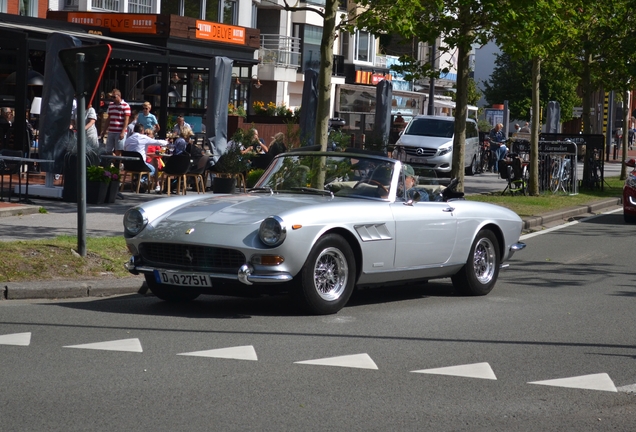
{"type": "Point", "coordinates": [245, 274]}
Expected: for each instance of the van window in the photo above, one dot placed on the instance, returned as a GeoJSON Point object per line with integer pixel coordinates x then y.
{"type": "Point", "coordinates": [430, 127]}
{"type": "Point", "coordinates": [471, 130]}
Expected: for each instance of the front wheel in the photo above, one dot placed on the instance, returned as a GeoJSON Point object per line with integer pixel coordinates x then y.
{"type": "Point", "coordinates": [479, 275]}
{"type": "Point", "coordinates": [171, 293]}
{"type": "Point", "coordinates": [474, 166]}
{"type": "Point", "coordinates": [328, 276]}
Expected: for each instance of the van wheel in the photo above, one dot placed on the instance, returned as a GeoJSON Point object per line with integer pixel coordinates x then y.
{"type": "Point", "coordinates": [472, 169]}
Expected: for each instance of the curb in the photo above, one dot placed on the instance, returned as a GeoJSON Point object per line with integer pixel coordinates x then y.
{"type": "Point", "coordinates": [72, 289]}
{"type": "Point", "coordinates": [595, 207]}
{"type": "Point", "coordinates": [11, 209]}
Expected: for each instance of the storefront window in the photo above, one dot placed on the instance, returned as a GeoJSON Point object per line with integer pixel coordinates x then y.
{"type": "Point", "coordinates": [28, 7]}
{"type": "Point", "coordinates": [198, 92]}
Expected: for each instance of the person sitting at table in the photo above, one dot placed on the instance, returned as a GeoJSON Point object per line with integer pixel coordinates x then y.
{"type": "Point", "coordinates": [180, 124]}
{"type": "Point", "coordinates": [277, 145]}
{"type": "Point", "coordinates": [156, 160]}
{"type": "Point", "coordinates": [179, 145]}
{"type": "Point", "coordinates": [258, 144]}
{"type": "Point", "coordinates": [139, 143]}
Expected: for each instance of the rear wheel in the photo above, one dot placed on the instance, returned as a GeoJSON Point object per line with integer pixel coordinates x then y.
{"type": "Point", "coordinates": [474, 166]}
{"type": "Point", "coordinates": [479, 275]}
{"type": "Point", "coordinates": [328, 276]}
{"type": "Point", "coordinates": [171, 293]}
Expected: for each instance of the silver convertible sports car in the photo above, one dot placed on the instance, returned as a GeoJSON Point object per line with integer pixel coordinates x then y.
{"type": "Point", "coordinates": [316, 226]}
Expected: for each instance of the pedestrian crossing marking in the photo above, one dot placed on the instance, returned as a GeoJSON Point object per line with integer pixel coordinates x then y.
{"type": "Point", "coordinates": [21, 339]}
{"type": "Point", "coordinates": [237, 353]}
{"type": "Point", "coordinates": [360, 361]}
{"type": "Point", "coordinates": [627, 389]}
{"type": "Point", "coordinates": [600, 381]}
{"type": "Point", "coordinates": [475, 370]}
{"type": "Point", "coordinates": [130, 345]}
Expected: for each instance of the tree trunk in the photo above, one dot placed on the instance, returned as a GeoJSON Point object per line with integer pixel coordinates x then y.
{"type": "Point", "coordinates": [461, 101]}
{"type": "Point", "coordinates": [324, 76]}
{"type": "Point", "coordinates": [626, 116]}
{"type": "Point", "coordinates": [586, 89]}
{"type": "Point", "coordinates": [533, 181]}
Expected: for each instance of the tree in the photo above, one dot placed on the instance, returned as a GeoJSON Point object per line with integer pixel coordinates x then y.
{"type": "Point", "coordinates": [461, 23]}
{"type": "Point", "coordinates": [473, 93]}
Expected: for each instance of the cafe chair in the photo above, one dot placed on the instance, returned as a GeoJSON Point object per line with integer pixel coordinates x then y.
{"type": "Point", "coordinates": [136, 168]}
{"type": "Point", "coordinates": [176, 168]}
{"type": "Point", "coordinates": [197, 173]}
{"type": "Point", "coordinates": [515, 173]}
{"type": "Point", "coordinates": [9, 168]}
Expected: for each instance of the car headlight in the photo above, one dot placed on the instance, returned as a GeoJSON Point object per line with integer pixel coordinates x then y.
{"type": "Point", "coordinates": [631, 182]}
{"type": "Point", "coordinates": [444, 150]}
{"type": "Point", "coordinates": [135, 221]}
{"type": "Point", "coordinates": [272, 231]}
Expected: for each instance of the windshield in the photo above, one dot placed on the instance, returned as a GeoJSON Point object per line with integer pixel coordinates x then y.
{"type": "Point", "coordinates": [345, 175]}
{"type": "Point", "coordinates": [430, 127]}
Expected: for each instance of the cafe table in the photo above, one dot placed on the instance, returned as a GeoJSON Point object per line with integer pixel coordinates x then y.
{"type": "Point", "coordinates": [22, 161]}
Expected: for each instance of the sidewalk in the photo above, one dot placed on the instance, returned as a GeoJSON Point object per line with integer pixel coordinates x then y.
{"type": "Point", "coordinates": [51, 218]}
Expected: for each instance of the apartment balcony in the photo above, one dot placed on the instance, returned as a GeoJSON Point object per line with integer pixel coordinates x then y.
{"type": "Point", "coordinates": [278, 58]}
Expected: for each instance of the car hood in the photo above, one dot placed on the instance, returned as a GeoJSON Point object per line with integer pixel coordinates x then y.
{"type": "Point", "coordinates": [423, 141]}
{"type": "Point", "coordinates": [240, 209]}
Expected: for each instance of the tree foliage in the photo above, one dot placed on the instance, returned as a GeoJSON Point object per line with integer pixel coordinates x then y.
{"type": "Point", "coordinates": [511, 80]}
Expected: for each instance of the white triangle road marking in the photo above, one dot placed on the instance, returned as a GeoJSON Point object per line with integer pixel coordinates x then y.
{"type": "Point", "coordinates": [237, 353]}
{"type": "Point", "coordinates": [360, 361]}
{"type": "Point", "coordinates": [131, 345]}
{"type": "Point", "coordinates": [600, 381]}
{"type": "Point", "coordinates": [22, 339]}
{"type": "Point", "coordinates": [475, 370]}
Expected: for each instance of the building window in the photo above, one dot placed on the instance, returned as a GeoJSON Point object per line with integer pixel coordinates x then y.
{"type": "Point", "coordinates": [344, 45]}
{"type": "Point", "coordinates": [311, 38]}
{"type": "Point", "coordinates": [140, 6]}
{"type": "Point", "coordinates": [363, 49]}
{"type": "Point", "coordinates": [26, 8]}
{"type": "Point", "coordinates": [106, 5]}
{"type": "Point", "coordinates": [230, 12]}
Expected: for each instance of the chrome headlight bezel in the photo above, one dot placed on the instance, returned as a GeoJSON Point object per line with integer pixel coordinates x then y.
{"type": "Point", "coordinates": [135, 220]}
{"type": "Point", "coordinates": [272, 231]}
{"type": "Point", "coordinates": [445, 150]}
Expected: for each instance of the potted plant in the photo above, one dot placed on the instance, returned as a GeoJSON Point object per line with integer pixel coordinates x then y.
{"type": "Point", "coordinates": [233, 163]}
{"type": "Point", "coordinates": [114, 184]}
{"type": "Point", "coordinates": [97, 180]}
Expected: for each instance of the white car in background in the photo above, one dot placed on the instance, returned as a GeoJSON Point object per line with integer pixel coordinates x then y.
{"type": "Point", "coordinates": [427, 141]}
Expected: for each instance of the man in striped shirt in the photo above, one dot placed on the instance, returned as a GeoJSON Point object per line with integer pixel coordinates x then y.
{"type": "Point", "coordinates": [117, 123]}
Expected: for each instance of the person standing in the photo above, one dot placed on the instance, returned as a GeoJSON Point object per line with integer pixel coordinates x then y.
{"type": "Point", "coordinates": [525, 128]}
{"type": "Point", "coordinates": [146, 118]}
{"type": "Point", "coordinates": [117, 123]}
{"type": "Point", "coordinates": [92, 141]}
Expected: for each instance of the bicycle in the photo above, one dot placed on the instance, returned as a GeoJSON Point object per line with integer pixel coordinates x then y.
{"type": "Point", "coordinates": [561, 173]}
{"type": "Point", "coordinates": [484, 156]}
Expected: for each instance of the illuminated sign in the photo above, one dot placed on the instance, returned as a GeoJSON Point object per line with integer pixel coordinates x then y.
{"type": "Point", "coordinates": [117, 23]}
{"type": "Point", "coordinates": [364, 77]}
{"type": "Point", "coordinates": [220, 32]}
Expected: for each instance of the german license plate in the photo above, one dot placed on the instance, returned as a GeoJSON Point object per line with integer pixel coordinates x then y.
{"type": "Point", "coordinates": [418, 160]}
{"type": "Point", "coordinates": [182, 279]}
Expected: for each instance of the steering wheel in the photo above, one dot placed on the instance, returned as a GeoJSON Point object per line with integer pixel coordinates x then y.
{"type": "Point", "coordinates": [373, 182]}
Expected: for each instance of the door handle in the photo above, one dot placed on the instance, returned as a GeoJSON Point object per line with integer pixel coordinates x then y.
{"type": "Point", "coordinates": [449, 209]}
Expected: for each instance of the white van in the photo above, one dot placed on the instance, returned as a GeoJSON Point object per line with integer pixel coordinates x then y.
{"type": "Point", "coordinates": [428, 141]}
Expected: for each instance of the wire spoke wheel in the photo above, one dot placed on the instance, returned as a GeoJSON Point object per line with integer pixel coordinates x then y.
{"type": "Point", "coordinates": [330, 274]}
{"type": "Point", "coordinates": [484, 260]}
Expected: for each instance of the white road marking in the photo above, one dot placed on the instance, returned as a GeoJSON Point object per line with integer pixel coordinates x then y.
{"type": "Point", "coordinates": [600, 381]}
{"type": "Point", "coordinates": [360, 361]}
{"type": "Point", "coordinates": [21, 339]}
{"type": "Point", "coordinates": [475, 370]}
{"type": "Point", "coordinates": [627, 388]}
{"type": "Point", "coordinates": [131, 345]}
{"type": "Point", "coordinates": [237, 353]}
{"type": "Point", "coordinates": [565, 225]}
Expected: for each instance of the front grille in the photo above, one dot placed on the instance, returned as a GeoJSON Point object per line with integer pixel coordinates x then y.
{"type": "Point", "coordinates": [192, 257]}
{"type": "Point", "coordinates": [424, 152]}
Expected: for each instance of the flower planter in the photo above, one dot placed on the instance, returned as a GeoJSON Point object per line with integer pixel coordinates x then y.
{"type": "Point", "coordinates": [96, 192]}
{"type": "Point", "coordinates": [113, 188]}
{"type": "Point", "coordinates": [269, 119]}
{"type": "Point", "coordinates": [225, 185]}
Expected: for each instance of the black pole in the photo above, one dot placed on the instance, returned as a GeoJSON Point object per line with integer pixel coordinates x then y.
{"type": "Point", "coordinates": [431, 90]}
{"type": "Point", "coordinates": [80, 125]}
